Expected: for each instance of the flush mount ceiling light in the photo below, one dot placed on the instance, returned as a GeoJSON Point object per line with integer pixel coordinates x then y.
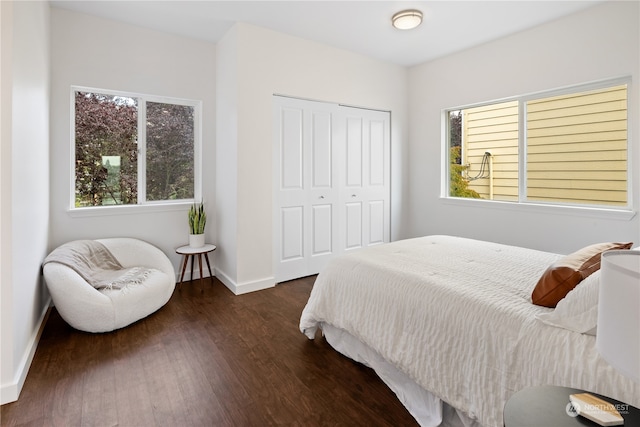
{"type": "Point", "coordinates": [407, 19]}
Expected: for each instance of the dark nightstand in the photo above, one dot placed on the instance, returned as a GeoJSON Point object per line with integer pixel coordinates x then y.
{"type": "Point", "coordinates": [547, 406]}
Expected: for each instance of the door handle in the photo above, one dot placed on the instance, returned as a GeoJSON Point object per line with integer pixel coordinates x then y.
{"type": "Point", "coordinates": [321, 197]}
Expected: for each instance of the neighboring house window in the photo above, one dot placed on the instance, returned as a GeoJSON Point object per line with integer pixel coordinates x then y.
{"type": "Point", "coordinates": [134, 149]}
{"type": "Point", "coordinates": [567, 148]}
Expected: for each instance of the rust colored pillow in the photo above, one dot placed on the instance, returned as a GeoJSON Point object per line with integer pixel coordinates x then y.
{"type": "Point", "coordinates": [564, 274]}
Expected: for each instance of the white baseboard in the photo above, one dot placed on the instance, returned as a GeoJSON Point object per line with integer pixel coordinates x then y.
{"type": "Point", "coordinates": [10, 392]}
{"type": "Point", "coordinates": [246, 287]}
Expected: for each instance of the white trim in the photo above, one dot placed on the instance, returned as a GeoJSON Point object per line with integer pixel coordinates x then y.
{"type": "Point", "coordinates": [11, 391]}
{"type": "Point", "coordinates": [522, 152]}
{"type": "Point", "coordinates": [563, 90]}
{"type": "Point", "coordinates": [246, 287]}
{"type": "Point", "coordinates": [582, 87]}
{"type": "Point", "coordinates": [445, 135]}
{"type": "Point", "coordinates": [89, 211]}
{"type": "Point", "coordinates": [197, 152]}
{"type": "Point", "coordinates": [72, 148]}
{"type": "Point", "coordinates": [574, 211]}
{"type": "Point", "coordinates": [631, 163]}
{"type": "Point", "coordinates": [141, 143]}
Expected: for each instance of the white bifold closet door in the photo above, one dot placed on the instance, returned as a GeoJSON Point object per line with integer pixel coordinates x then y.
{"type": "Point", "coordinates": [331, 183]}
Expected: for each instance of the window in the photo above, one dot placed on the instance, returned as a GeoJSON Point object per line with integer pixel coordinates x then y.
{"type": "Point", "coordinates": [567, 148]}
{"type": "Point", "coordinates": [132, 149]}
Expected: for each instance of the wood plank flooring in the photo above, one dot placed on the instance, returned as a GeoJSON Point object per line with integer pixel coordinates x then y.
{"type": "Point", "coordinates": [207, 358]}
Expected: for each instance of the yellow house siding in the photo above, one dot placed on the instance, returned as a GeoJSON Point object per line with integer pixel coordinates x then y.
{"type": "Point", "coordinates": [577, 147]}
{"type": "Point", "coordinates": [493, 128]}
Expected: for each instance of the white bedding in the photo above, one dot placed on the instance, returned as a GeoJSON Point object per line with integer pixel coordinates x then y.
{"type": "Point", "coordinates": [456, 316]}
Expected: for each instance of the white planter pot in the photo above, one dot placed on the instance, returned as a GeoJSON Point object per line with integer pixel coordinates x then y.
{"type": "Point", "coordinates": [196, 240]}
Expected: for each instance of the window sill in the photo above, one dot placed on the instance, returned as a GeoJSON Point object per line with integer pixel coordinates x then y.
{"type": "Point", "coordinates": [128, 209]}
{"type": "Point", "coordinates": [582, 211]}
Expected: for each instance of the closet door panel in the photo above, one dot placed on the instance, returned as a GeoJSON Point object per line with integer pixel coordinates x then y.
{"type": "Point", "coordinates": [331, 183]}
{"type": "Point", "coordinates": [322, 160]}
{"type": "Point", "coordinates": [376, 222]}
{"type": "Point", "coordinates": [304, 158]}
{"type": "Point", "coordinates": [322, 192]}
{"type": "Point", "coordinates": [291, 149]}
{"type": "Point", "coordinates": [353, 152]}
{"type": "Point", "coordinates": [377, 194]}
{"type": "Point", "coordinates": [322, 222]}
{"type": "Point", "coordinates": [353, 226]}
{"type": "Point", "coordinates": [292, 220]}
{"type": "Point", "coordinates": [376, 153]}
{"type": "Point", "coordinates": [367, 177]}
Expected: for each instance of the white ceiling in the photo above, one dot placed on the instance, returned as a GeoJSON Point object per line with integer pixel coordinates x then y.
{"type": "Point", "coordinates": [359, 26]}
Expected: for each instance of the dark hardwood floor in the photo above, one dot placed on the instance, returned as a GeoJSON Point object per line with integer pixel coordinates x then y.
{"type": "Point", "coordinates": [207, 358]}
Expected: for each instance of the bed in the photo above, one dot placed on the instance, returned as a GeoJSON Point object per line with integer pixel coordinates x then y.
{"type": "Point", "coordinates": [449, 325]}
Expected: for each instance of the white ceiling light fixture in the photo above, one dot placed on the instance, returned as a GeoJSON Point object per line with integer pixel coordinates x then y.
{"type": "Point", "coordinates": [407, 19]}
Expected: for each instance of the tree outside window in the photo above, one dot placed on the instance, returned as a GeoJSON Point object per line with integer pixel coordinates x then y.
{"type": "Point", "coordinates": [110, 148]}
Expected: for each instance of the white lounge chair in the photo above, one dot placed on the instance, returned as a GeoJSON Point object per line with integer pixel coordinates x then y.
{"type": "Point", "coordinates": [100, 310]}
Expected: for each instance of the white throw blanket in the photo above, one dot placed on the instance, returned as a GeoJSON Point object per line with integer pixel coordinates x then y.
{"type": "Point", "coordinates": [96, 265]}
{"type": "Point", "coordinates": [455, 315]}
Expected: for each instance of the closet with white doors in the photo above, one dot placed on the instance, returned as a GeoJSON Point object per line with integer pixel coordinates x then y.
{"type": "Point", "coordinates": [331, 183]}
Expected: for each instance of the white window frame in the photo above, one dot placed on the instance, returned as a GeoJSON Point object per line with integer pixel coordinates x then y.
{"type": "Point", "coordinates": [623, 212]}
{"type": "Point", "coordinates": [142, 203]}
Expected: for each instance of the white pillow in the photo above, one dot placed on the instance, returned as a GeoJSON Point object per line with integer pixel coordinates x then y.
{"type": "Point", "coordinates": [578, 310]}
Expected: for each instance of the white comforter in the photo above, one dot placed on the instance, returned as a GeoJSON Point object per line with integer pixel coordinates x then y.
{"type": "Point", "coordinates": [456, 316]}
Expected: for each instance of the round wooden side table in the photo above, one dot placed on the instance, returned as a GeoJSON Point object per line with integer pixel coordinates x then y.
{"type": "Point", "coordinates": [189, 252]}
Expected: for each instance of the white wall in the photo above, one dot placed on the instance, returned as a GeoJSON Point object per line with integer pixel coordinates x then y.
{"type": "Point", "coordinates": [227, 158]}
{"type": "Point", "coordinates": [94, 52]}
{"type": "Point", "coordinates": [25, 187]}
{"type": "Point", "coordinates": [598, 43]}
{"type": "Point", "coordinates": [268, 63]}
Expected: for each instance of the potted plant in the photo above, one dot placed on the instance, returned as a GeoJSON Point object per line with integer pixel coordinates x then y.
{"type": "Point", "coordinates": [197, 221]}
